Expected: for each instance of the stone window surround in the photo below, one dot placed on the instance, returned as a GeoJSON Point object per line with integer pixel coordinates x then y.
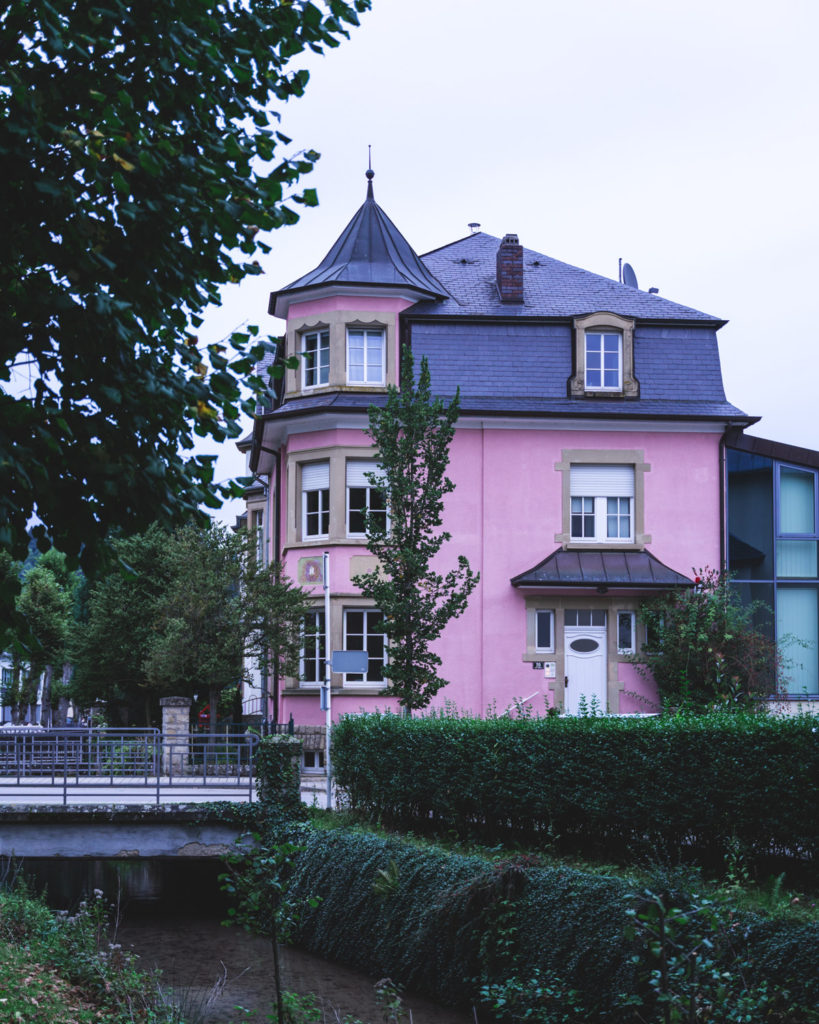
{"type": "Point", "coordinates": [557, 605]}
{"type": "Point", "coordinates": [611, 457]}
{"type": "Point", "coordinates": [601, 322]}
{"type": "Point", "coordinates": [337, 322]}
{"type": "Point", "coordinates": [337, 458]}
{"type": "Point", "coordinates": [338, 603]}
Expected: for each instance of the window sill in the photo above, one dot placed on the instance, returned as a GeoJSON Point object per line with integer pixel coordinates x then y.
{"type": "Point", "coordinates": [602, 545]}
{"type": "Point", "coordinates": [314, 690]}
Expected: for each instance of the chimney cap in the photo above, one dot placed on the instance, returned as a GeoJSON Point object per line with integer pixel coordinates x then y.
{"type": "Point", "coordinates": [510, 239]}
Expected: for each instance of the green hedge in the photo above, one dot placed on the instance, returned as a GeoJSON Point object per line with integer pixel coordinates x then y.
{"type": "Point", "coordinates": [611, 784]}
{"type": "Point", "coordinates": [446, 924]}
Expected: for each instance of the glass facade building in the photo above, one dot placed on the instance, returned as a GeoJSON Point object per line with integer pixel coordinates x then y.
{"type": "Point", "coordinates": [773, 551]}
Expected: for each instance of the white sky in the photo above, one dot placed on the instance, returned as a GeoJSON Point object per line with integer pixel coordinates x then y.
{"type": "Point", "coordinates": [680, 135]}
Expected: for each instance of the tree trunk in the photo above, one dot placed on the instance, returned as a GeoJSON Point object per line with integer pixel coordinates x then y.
{"type": "Point", "coordinates": [213, 721]}
{"type": "Point", "coordinates": [45, 697]}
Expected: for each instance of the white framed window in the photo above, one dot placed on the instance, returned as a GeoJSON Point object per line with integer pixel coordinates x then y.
{"type": "Point", "coordinates": [544, 631]}
{"type": "Point", "coordinates": [315, 499]}
{"type": "Point", "coordinates": [626, 633]}
{"type": "Point", "coordinates": [602, 503]}
{"type": "Point", "coordinates": [311, 662]}
{"type": "Point", "coordinates": [604, 361]}
{"type": "Point", "coordinates": [257, 534]}
{"type": "Point", "coordinates": [315, 352]}
{"type": "Point", "coordinates": [312, 761]}
{"type": "Point", "coordinates": [363, 631]}
{"type": "Point", "coordinates": [584, 617]}
{"type": "Point", "coordinates": [363, 496]}
{"type": "Point", "coordinates": [365, 356]}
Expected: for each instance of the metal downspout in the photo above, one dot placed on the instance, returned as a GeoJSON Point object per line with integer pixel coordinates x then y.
{"type": "Point", "coordinates": [277, 558]}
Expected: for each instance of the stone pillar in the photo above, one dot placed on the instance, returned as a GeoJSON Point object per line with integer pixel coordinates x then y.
{"type": "Point", "coordinates": [176, 726]}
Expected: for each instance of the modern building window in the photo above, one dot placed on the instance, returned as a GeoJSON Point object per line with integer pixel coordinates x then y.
{"type": "Point", "coordinates": [311, 666]}
{"type": "Point", "coordinates": [626, 633]}
{"type": "Point", "coordinates": [363, 631]}
{"type": "Point", "coordinates": [602, 498]}
{"type": "Point", "coordinates": [315, 351]}
{"type": "Point", "coordinates": [365, 356]}
{"type": "Point", "coordinates": [604, 361]}
{"type": "Point", "coordinates": [773, 556]}
{"type": "Point", "coordinates": [315, 495]}
{"type": "Point", "coordinates": [544, 631]}
{"type": "Point", "coordinates": [363, 496]}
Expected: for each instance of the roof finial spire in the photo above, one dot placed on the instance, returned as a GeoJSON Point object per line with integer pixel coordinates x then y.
{"type": "Point", "coordinates": [370, 172]}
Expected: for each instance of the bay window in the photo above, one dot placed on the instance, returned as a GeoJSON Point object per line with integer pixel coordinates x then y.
{"type": "Point", "coordinates": [315, 494]}
{"type": "Point", "coordinates": [315, 350]}
{"type": "Point", "coordinates": [365, 356]}
{"type": "Point", "coordinates": [363, 631]}
{"type": "Point", "coordinates": [311, 663]}
{"type": "Point", "coordinates": [363, 497]}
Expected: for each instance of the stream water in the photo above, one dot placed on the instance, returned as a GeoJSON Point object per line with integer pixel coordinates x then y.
{"type": "Point", "coordinates": [194, 953]}
{"type": "Point", "coordinates": [170, 913]}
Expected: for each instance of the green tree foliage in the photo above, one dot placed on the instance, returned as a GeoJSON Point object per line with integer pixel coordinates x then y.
{"type": "Point", "coordinates": [47, 604]}
{"type": "Point", "coordinates": [176, 615]}
{"type": "Point", "coordinates": [412, 434]}
{"type": "Point", "coordinates": [141, 157]}
{"type": "Point", "coordinates": [703, 649]}
{"type": "Point", "coordinates": [196, 640]}
{"type": "Point", "coordinates": [274, 610]}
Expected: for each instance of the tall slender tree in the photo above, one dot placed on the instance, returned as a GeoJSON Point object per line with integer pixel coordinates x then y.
{"type": "Point", "coordinates": [412, 434]}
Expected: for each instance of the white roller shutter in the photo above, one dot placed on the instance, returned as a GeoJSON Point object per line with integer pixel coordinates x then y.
{"type": "Point", "coordinates": [315, 476]}
{"type": "Point", "coordinates": [357, 470]}
{"type": "Point", "coordinates": [590, 481]}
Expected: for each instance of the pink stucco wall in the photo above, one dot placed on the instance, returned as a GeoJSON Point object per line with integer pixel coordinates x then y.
{"type": "Point", "coordinates": [503, 516]}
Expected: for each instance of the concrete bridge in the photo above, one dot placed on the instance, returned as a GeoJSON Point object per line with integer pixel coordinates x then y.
{"type": "Point", "coordinates": [120, 831]}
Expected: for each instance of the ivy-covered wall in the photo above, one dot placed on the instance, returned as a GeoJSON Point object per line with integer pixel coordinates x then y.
{"type": "Point", "coordinates": [448, 925]}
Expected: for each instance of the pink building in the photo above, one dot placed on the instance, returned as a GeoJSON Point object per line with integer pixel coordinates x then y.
{"type": "Point", "coordinates": [588, 461]}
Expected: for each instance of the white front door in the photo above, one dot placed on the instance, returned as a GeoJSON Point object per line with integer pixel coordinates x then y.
{"type": "Point", "coordinates": [585, 651]}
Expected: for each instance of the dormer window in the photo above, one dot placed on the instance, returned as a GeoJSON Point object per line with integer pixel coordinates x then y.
{"type": "Point", "coordinates": [604, 361]}
{"type": "Point", "coordinates": [365, 356]}
{"type": "Point", "coordinates": [315, 350]}
{"type": "Point", "coordinates": [603, 358]}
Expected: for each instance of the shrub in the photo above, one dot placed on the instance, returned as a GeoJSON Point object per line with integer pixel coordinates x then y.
{"type": "Point", "coordinates": [705, 650]}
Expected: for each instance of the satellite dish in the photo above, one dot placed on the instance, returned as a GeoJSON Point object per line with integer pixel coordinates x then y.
{"type": "Point", "coordinates": [629, 277]}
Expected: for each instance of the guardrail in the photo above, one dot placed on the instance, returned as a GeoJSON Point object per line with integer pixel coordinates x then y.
{"type": "Point", "coordinates": [112, 762]}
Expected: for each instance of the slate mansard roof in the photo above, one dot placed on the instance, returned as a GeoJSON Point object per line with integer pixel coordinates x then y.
{"type": "Point", "coordinates": [550, 288]}
{"type": "Point", "coordinates": [515, 358]}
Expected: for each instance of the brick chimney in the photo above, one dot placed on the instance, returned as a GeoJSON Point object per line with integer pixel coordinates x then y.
{"type": "Point", "coordinates": [510, 269]}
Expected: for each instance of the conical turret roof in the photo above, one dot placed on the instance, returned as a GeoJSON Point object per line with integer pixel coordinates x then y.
{"type": "Point", "coordinates": [369, 253]}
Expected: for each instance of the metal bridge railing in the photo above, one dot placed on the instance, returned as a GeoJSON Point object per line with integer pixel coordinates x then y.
{"type": "Point", "coordinates": [112, 762]}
